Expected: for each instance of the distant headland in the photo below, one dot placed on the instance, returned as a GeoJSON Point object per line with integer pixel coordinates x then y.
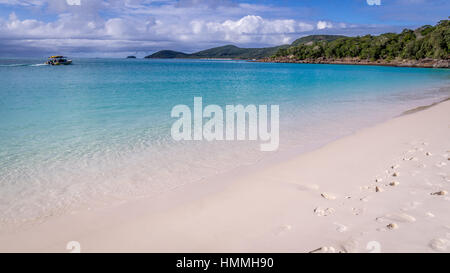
{"type": "Point", "coordinates": [222, 52]}
{"type": "Point", "coordinates": [234, 52]}
{"type": "Point", "coordinates": [426, 46]}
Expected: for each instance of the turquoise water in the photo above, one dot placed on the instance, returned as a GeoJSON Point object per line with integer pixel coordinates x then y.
{"type": "Point", "coordinates": [101, 128]}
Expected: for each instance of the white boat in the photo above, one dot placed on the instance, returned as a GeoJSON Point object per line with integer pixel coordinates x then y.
{"type": "Point", "coordinates": [58, 60]}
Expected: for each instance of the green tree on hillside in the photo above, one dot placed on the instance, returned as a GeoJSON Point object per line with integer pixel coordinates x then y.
{"type": "Point", "coordinates": [424, 42]}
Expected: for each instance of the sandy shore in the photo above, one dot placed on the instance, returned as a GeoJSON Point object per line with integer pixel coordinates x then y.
{"type": "Point", "coordinates": [384, 188]}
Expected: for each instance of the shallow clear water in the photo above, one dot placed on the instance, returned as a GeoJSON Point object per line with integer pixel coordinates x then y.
{"type": "Point", "coordinates": [101, 128]}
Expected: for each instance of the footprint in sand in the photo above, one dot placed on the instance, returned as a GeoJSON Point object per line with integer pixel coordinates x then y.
{"type": "Point", "coordinates": [324, 212]}
{"type": "Point", "coordinates": [357, 211]}
{"type": "Point", "coordinates": [440, 193]}
{"type": "Point", "coordinates": [441, 164]}
{"type": "Point", "coordinates": [429, 214]}
{"type": "Point", "coordinates": [394, 183]}
{"type": "Point", "coordinates": [328, 196]}
{"type": "Point", "coordinates": [392, 226]}
{"type": "Point", "coordinates": [398, 217]}
{"type": "Point", "coordinates": [311, 187]}
{"type": "Point", "coordinates": [283, 229]}
{"type": "Point", "coordinates": [340, 227]}
{"type": "Point", "coordinates": [350, 246]}
{"type": "Point", "coordinates": [439, 244]}
{"type": "Point", "coordinates": [364, 199]}
{"type": "Point", "coordinates": [324, 249]}
{"type": "Point", "coordinates": [411, 206]}
{"type": "Point", "coordinates": [444, 176]}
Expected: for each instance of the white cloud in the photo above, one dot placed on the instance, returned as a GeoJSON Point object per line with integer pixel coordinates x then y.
{"type": "Point", "coordinates": [136, 25]}
{"type": "Point", "coordinates": [324, 25]}
{"type": "Point", "coordinates": [73, 2]}
{"type": "Point", "coordinates": [23, 3]}
{"type": "Point", "coordinates": [249, 29]}
{"type": "Point", "coordinates": [373, 2]}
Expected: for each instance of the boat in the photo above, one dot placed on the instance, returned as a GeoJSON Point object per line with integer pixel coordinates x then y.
{"type": "Point", "coordinates": [58, 60]}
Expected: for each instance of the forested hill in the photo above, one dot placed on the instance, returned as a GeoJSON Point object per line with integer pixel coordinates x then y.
{"type": "Point", "coordinates": [224, 52]}
{"type": "Point", "coordinates": [315, 38]}
{"type": "Point", "coordinates": [429, 44]}
{"type": "Point", "coordinates": [168, 54]}
{"type": "Point", "coordinates": [234, 52]}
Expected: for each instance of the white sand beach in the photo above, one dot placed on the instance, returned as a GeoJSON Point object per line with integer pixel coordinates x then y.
{"type": "Point", "coordinates": [384, 188]}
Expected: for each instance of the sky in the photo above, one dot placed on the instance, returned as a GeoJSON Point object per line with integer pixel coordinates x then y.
{"type": "Point", "coordinates": [114, 28]}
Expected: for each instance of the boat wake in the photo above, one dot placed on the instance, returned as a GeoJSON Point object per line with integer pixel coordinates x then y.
{"type": "Point", "coordinates": [16, 65]}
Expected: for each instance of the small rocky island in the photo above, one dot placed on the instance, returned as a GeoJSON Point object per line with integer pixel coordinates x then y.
{"type": "Point", "coordinates": [131, 57]}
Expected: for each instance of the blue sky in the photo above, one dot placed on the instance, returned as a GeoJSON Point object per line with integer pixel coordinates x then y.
{"type": "Point", "coordinates": [140, 27]}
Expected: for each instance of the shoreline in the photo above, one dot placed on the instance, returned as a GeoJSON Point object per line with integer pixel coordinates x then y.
{"type": "Point", "coordinates": [437, 64]}
{"type": "Point", "coordinates": [168, 216]}
{"type": "Point", "coordinates": [424, 107]}
{"type": "Point", "coordinates": [426, 63]}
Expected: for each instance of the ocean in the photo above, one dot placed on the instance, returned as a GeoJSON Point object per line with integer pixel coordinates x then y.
{"type": "Point", "coordinates": [99, 130]}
